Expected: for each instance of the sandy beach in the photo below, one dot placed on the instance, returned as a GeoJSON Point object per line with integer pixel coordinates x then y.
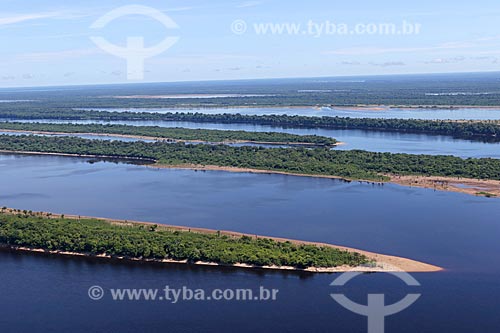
{"type": "Point", "coordinates": [462, 185]}
{"type": "Point", "coordinates": [383, 263]}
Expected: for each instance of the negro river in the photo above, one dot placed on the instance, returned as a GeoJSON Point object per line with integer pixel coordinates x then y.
{"type": "Point", "coordinates": [455, 231]}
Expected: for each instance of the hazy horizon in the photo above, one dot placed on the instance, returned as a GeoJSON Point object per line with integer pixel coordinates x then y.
{"type": "Point", "coordinates": [53, 43]}
{"type": "Point", "coordinates": [347, 77]}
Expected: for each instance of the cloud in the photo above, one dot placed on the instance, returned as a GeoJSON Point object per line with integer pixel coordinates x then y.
{"type": "Point", "coordinates": [382, 50]}
{"type": "Point", "coordinates": [179, 9]}
{"type": "Point", "coordinates": [249, 4]}
{"type": "Point", "coordinates": [57, 55]}
{"type": "Point", "coordinates": [453, 60]}
{"type": "Point", "coordinates": [470, 45]}
{"type": "Point", "coordinates": [56, 15]}
{"type": "Point", "coordinates": [6, 20]}
{"type": "Point", "coordinates": [350, 63]}
{"type": "Point", "coordinates": [190, 60]}
{"type": "Point", "coordinates": [388, 64]}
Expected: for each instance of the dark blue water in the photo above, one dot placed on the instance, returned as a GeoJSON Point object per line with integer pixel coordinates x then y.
{"type": "Point", "coordinates": [353, 139]}
{"type": "Point", "coordinates": [49, 294]}
{"type": "Point", "coordinates": [401, 113]}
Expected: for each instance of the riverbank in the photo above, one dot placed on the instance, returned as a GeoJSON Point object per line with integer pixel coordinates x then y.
{"type": "Point", "coordinates": [379, 262]}
{"type": "Point", "coordinates": [477, 187]}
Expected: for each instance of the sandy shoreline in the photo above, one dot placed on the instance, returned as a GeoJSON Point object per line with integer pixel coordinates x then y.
{"type": "Point", "coordinates": [384, 263]}
{"type": "Point", "coordinates": [480, 187]}
{"type": "Point", "coordinates": [461, 185]}
{"type": "Point", "coordinates": [247, 170]}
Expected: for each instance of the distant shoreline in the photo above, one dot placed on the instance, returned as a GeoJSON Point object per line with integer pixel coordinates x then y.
{"type": "Point", "coordinates": [383, 263]}
{"type": "Point", "coordinates": [361, 107]}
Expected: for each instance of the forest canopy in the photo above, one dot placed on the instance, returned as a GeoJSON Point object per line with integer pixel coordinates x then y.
{"type": "Point", "coordinates": [473, 130]}
{"type": "Point", "coordinates": [355, 164]}
{"type": "Point", "coordinates": [138, 241]}
{"type": "Point", "coordinates": [174, 134]}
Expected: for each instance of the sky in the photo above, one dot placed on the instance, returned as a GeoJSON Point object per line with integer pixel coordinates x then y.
{"type": "Point", "coordinates": [49, 42]}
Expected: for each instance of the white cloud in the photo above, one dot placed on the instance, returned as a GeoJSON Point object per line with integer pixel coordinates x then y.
{"type": "Point", "coordinates": [460, 45]}
{"type": "Point", "coordinates": [57, 55]}
{"type": "Point", "coordinates": [453, 60]}
{"type": "Point", "coordinates": [6, 20]}
{"type": "Point", "coordinates": [388, 64]}
{"type": "Point", "coordinates": [249, 4]}
{"type": "Point", "coordinates": [179, 9]}
{"type": "Point", "coordinates": [382, 50]}
{"type": "Point", "coordinates": [10, 19]}
{"type": "Point", "coordinates": [350, 63]}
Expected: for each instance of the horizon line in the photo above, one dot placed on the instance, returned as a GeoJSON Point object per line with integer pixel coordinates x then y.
{"type": "Point", "coordinates": [249, 79]}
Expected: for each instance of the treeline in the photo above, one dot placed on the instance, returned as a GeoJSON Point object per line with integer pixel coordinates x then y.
{"type": "Point", "coordinates": [354, 164]}
{"type": "Point", "coordinates": [473, 130]}
{"type": "Point", "coordinates": [174, 134]}
{"type": "Point", "coordinates": [96, 237]}
{"type": "Point", "coordinates": [429, 90]}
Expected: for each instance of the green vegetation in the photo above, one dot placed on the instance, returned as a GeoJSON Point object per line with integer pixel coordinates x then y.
{"type": "Point", "coordinates": [174, 133]}
{"type": "Point", "coordinates": [473, 130]}
{"type": "Point", "coordinates": [444, 90]}
{"type": "Point", "coordinates": [96, 237]}
{"type": "Point", "coordinates": [486, 194]}
{"type": "Point", "coordinates": [354, 164]}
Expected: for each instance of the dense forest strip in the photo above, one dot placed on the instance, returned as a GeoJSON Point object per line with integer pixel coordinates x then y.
{"type": "Point", "coordinates": [478, 89]}
{"type": "Point", "coordinates": [152, 242]}
{"type": "Point", "coordinates": [472, 130]}
{"type": "Point", "coordinates": [174, 134]}
{"type": "Point", "coordinates": [354, 164]}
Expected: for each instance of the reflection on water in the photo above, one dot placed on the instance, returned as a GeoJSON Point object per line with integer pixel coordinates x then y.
{"type": "Point", "coordinates": [453, 230]}
{"type": "Point", "coordinates": [354, 139]}
{"type": "Point", "coordinates": [264, 204]}
{"type": "Point", "coordinates": [401, 113]}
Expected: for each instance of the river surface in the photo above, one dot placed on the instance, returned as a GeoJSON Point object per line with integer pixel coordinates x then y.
{"type": "Point", "coordinates": [400, 113]}
{"type": "Point", "coordinates": [452, 230]}
{"type": "Point", "coordinates": [353, 139]}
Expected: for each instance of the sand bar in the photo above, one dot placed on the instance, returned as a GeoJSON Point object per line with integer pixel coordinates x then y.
{"type": "Point", "coordinates": [384, 263]}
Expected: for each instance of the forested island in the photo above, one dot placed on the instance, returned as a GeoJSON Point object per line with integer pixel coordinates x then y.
{"type": "Point", "coordinates": [472, 130]}
{"type": "Point", "coordinates": [173, 134]}
{"type": "Point", "coordinates": [94, 237]}
{"type": "Point", "coordinates": [354, 164]}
